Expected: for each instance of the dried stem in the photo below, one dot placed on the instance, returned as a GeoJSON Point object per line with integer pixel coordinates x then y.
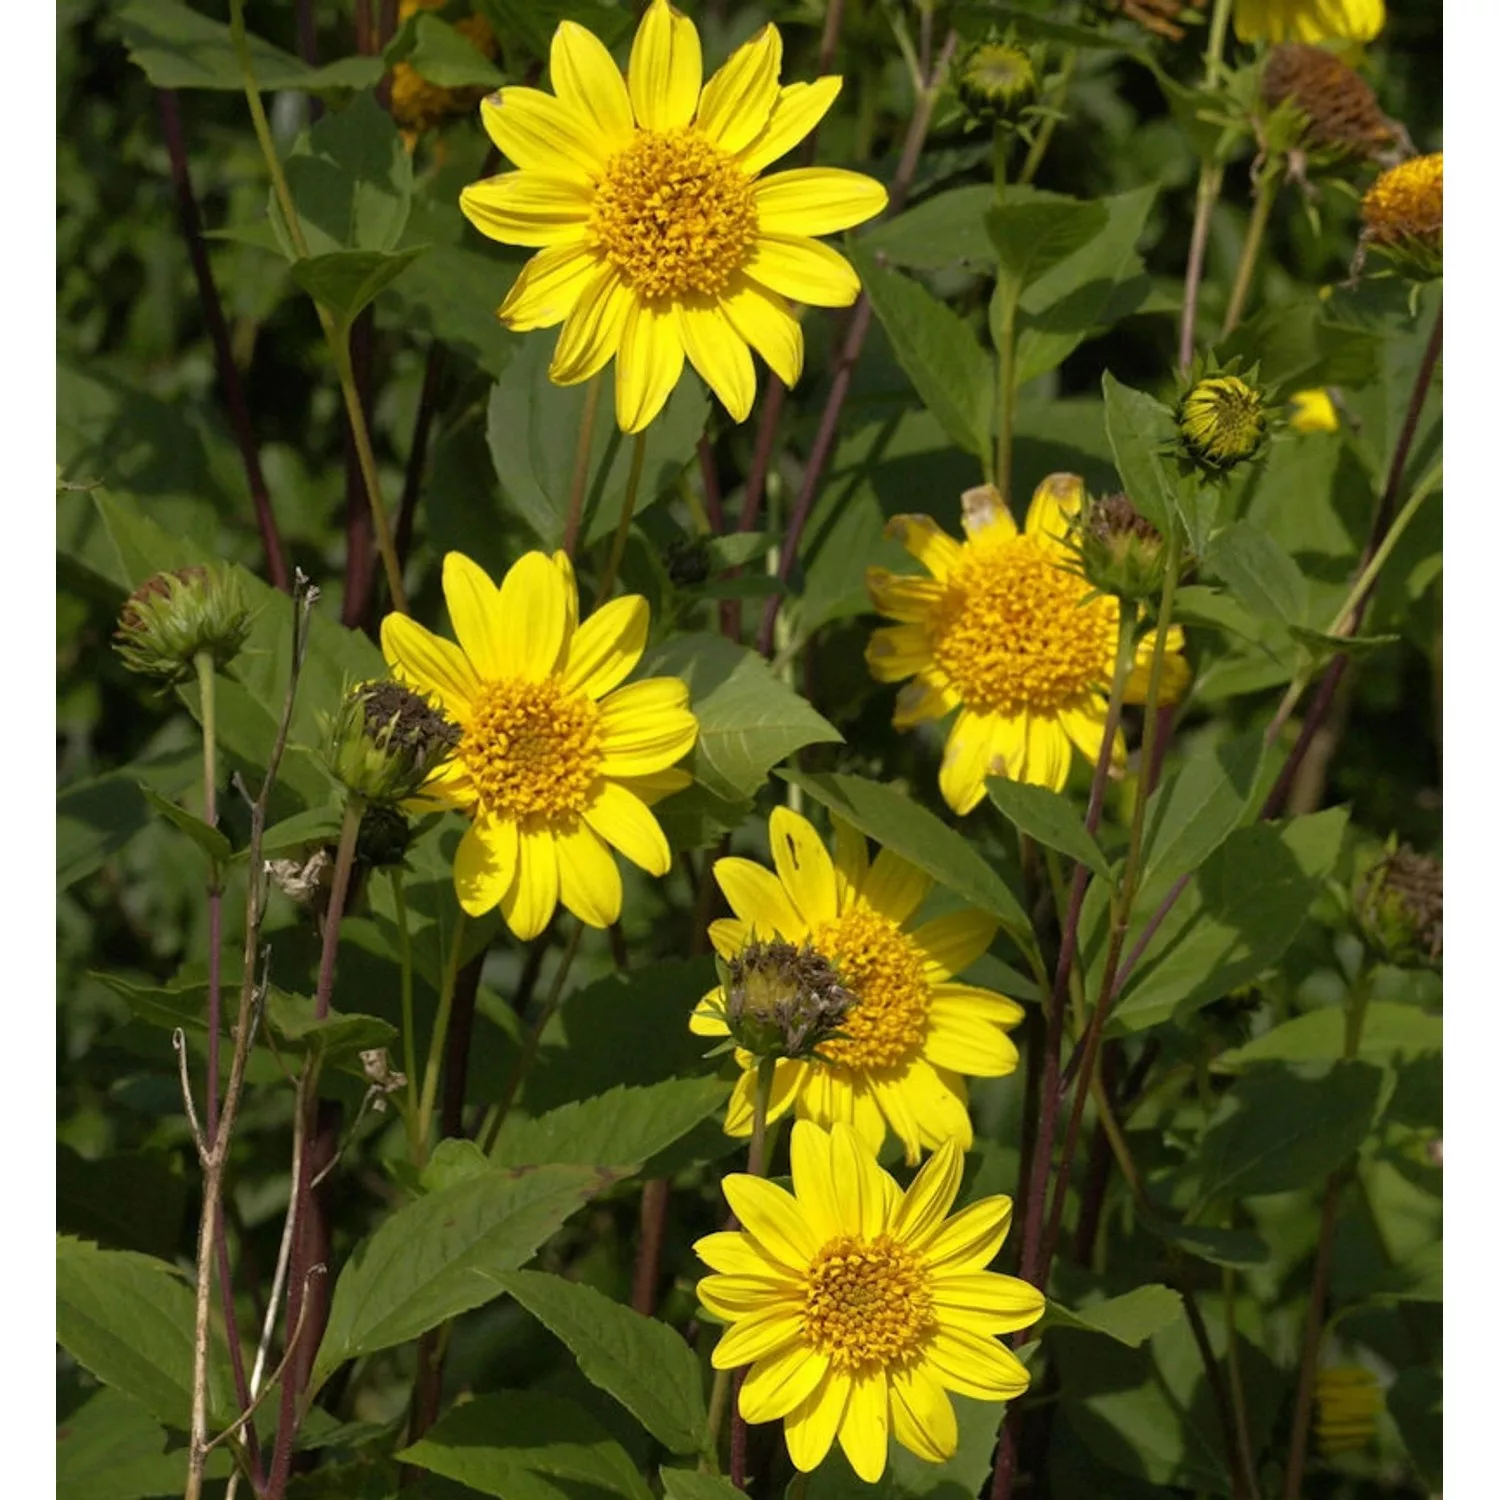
{"type": "Point", "coordinates": [1218, 1390]}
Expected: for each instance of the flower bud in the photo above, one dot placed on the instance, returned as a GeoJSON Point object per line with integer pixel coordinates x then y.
{"type": "Point", "coordinates": [173, 617]}
{"type": "Point", "coordinates": [1348, 1402]}
{"type": "Point", "coordinates": [1403, 216]}
{"type": "Point", "coordinates": [782, 1000]}
{"type": "Point", "coordinates": [1398, 907]}
{"type": "Point", "coordinates": [386, 740]}
{"type": "Point", "coordinates": [1313, 411]}
{"type": "Point", "coordinates": [1120, 551]}
{"type": "Point", "coordinates": [996, 80]}
{"type": "Point", "coordinates": [1222, 420]}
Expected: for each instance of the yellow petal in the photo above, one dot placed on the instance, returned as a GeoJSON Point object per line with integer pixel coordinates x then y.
{"type": "Point", "coordinates": [606, 647]}
{"type": "Point", "coordinates": [735, 1297]}
{"type": "Point", "coordinates": [922, 1415]}
{"type": "Point", "coordinates": [728, 935]}
{"type": "Point", "coordinates": [762, 319]}
{"type": "Point", "coordinates": [952, 942]}
{"type": "Point", "coordinates": [737, 101]}
{"type": "Point", "coordinates": [926, 1202]}
{"type": "Point", "coordinates": [927, 542]}
{"type": "Point", "coordinates": [589, 83]}
{"type": "Point", "coordinates": [797, 110]}
{"type": "Point", "coordinates": [816, 200]}
{"type": "Point", "coordinates": [733, 1253]}
{"type": "Point", "coordinates": [650, 362]}
{"type": "Point", "coordinates": [758, 898]}
{"type": "Point", "coordinates": [532, 898]}
{"type": "Point", "coordinates": [974, 1365]}
{"type": "Point", "coordinates": [903, 596]}
{"type": "Point", "coordinates": [528, 208]}
{"type": "Point", "coordinates": [859, 1185]}
{"type": "Point", "coordinates": [924, 699]}
{"type": "Point", "coordinates": [778, 1382]}
{"type": "Point", "coordinates": [621, 818]}
{"type": "Point", "coordinates": [707, 1017]}
{"type": "Point", "coordinates": [431, 665]}
{"type": "Point", "coordinates": [773, 1216]}
{"type": "Point", "coordinates": [591, 335]}
{"type": "Point", "coordinates": [1047, 757]}
{"type": "Point", "coordinates": [1084, 726]}
{"type": "Point", "coordinates": [813, 1180]}
{"type": "Point", "coordinates": [803, 865]}
{"type": "Point", "coordinates": [948, 997]}
{"type": "Point", "coordinates": [895, 888]}
{"type": "Point", "coordinates": [719, 355]}
{"type": "Point", "coordinates": [968, 1044]}
{"type": "Point", "coordinates": [968, 760]}
{"type": "Point", "coordinates": [638, 744]}
{"type": "Point", "coordinates": [939, 1102]}
{"type": "Point", "coordinates": [804, 270]}
{"type": "Point", "coordinates": [812, 1426]}
{"type": "Point", "coordinates": [532, 620]}
{"type": "Point", "coordinates": [893, 1096]}
{"type": "Point", "coordinates": [786, 1086]}
{"type": "Point", "coordinates": [485, 864]}
{"type": "Point", "coordinates": [972, 1238]}
{"type": "Point", "coordinates": [666, 69]}
{"type": "Point", "coordinates": [549, 287]}
{"type": "Point", "coordinates": [864, 1434]}
{"type": "Point", "coordinates": [851, 860]}
{"type": "Point", "coordinates": [588, 878]}
{"type": "Point", "coordinates": [1054, 505]}
{"type": "Point", "coordinates": [653, 786]}
{"type": "Point", "coordinates": [474, 607]}
{"type": "Point", "coordinates": [995, 1304]}
{"type": "Point", "coordinates": [541, 134]}
{"type": "Point", "coordinates": [1176, 673]}
{"type": "Point", "coordinates": [757, 1335]}
{"type": "Point", "coordinates": [897, 651]}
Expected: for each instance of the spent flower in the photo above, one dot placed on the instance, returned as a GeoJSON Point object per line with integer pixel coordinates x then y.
{"type": "Point", "coordinates": [1119, 551]}
{"type": "Point", "coordinates": [386, 740]}
{"type": "Point", "coordinates": [783, 999]}
{"type": "Point", "coordinates": [174, 617]}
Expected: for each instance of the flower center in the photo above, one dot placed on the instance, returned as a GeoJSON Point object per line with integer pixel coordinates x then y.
{"type": "Point", "coordinates": [674, 214]}
{"type": "Point", "coordinates": [1014, 637]}
{"type": "Point", "coordinates": [868, 1303]}
{"type": "Point", "coordinates": [882, 968]}
{"type": "Point", "coordinates": [532, 748]}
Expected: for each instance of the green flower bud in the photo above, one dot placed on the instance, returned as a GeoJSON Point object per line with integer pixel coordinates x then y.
{"type": "Point", "coordinates": [173, 617]}
{"type": "Point", "coordinates": [386, 740]}
{"type": "Point", "coordinates": [1222, 420]}
{"type": "Point", "coordinates": [996, 80]}
{"type": "Point", "coordinates": [1119, 550]}
{"type": "Point", "coordinates": [1398, 907]}
{"type": "Point", "coordinates": [782, 1000]}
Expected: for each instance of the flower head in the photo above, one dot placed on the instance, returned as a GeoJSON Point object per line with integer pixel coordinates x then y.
{"type": "Point", "coordinates": [1222, 420]}
{"type": "Point", "coordinates": [1348, 1402]}
{"type": "Point", "coordinates": [657, 240]}
{"type": "Point", "coordinates": [1398, 907]}
{"type": "Point", "coordinates": [858, 1307]}
{"type": "Point", "coordinates": [1341, 111]}
{"type": "Point", "coordinates": [910, 1034]}
{"type": "Point", "coordinates": [556, 761]}
{"type": "Point", "coordinates": [1005, 631]}
{"type": "Point", "coordinates": [1403, 214]}
{"type": "Point", "coordinates": [1119, 551]}
{"type": "Point", "coordinates": [782, 1000]}
{"type": "Point", "coordinates": [1308, 20]}
{"type": "Point", "coordinates": [172, 618]}
{"type": "Point", "coordinates": [1313, 411]}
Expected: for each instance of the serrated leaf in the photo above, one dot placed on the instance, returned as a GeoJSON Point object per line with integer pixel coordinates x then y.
{"type": "Point", "coordinates": [523, 1445]}
{"type": "Point", "coordinates": [1033, 235]}
{"type": "Point", "coordinates": [942, 230]}
{"type": "Point", "coordinates": [1259, 573]}
{"type": "Point", "coordinates": [906, 828]}
{"type": "Point", "coordinates": [337, 1037]}
{"type": "Point", "coordinates": [1220, 1247]}
{"type": "Point", "coordinates": [454, 1160]}
{"type": "Point", "coordinates": [1322, 645]}
{"type": "Point", "coordinates": [1192, 813]}
{"type": "Point", "coordinates": [127, 1200]}
{"type": "Point", "coordinates": [643, 1364]}
{"type": "Point", "coordinates": [1140, 431]}
{"type": "Point", "coordinates": [442, 54]}
{"type": "Point", "coordinates": [1130, 1319]}
{"type": "Point", "coordinates": [748, 719]}
{"type": "Point", "coordinates": [954, 377]}
{"type": "Point", "coordinates": [111, 1448]}
{"type": "Point", "coordinates": [623, 1127]}
{"type": "Point", "coordinates": [318, 825]}
{"type": "Point", "coordinates": [210, 840]}
{"type": "Point", "coordinates": [347, 281]}
{"type": "Point", "coordinates": [421, 1267]}
{"type": "Point", "coordinates": [1050, 819]}
{"type": "Point", "coordinates": [689, 1484]}
{"type": "Point", "coordinates": [1390, 1031]}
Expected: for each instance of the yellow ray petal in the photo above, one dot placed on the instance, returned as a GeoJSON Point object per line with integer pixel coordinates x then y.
{"type": "Point", "coordinates": [757, 1335]}
{"type": "Point", "coordinates": [786, 1086]}
{"type": "Point", "coordinates": [989, 1303]}
{"type": "Point", "coordinates": [666, 69]}
{"type": "Point", "coordinates": [759, 899]}
{"type": "Point", "coordinates": [927, 542]}
{"type": "Point", "coordinates": [816, 200]}
{"type": "Point", "coordinates": [606, 647]}
{"type": "Point", "coordinates": [1054, 505]}
{"type": "Point", "coordinates": [528, 208]}
{"type": "Point", "coordinates": [652, 786]}
{"type": "Point", "coordinates": [773, 1216]}
{"type": "Point", "coordinates": [650, 364]}
{"type": "Point", "coordinates": [1048, 755]}
{"type": "Point", "coordinates": [621, 818]}
{"type": "Point", "coordinates": [922, 1415]}
{"type": "Point", "coordinates": [591, 334]}
{"type": "Point", "coordinates": [431, 665]}
{"type": "Point", "coordinates": [763, 320]}
{"type": "Point", "coordinates": [719, 355]}
{"type": "Point", "coordinates": [733, 1297]}
{"type": "Point", "coordinates": [737, 101]}
{"type": "Point", "coordinates": [589, 83]}
{"type": "Point", "coordinates": [923, 699]}
{"type": "Point", "coordinates": [813, 1180]}
{"type": "Point", "coordinates": [549, 287]}
{"type": "Point", "coordinates": [522, 626]}
{"type": "Point", "coordinates": [1084, 726]}
{"type": "Point", "coordinates": [895, 888]}
{"type": "Point", "coordinates": [893, 1095]}
{"type": "Point", "coordinates": [968, 1044]}
{"type": "Point", "coordinates": [539, 133]}
{"type": "Point", "coordinates": [797, 110]}
{"type": "Point", "coordinates": [485, 864]}
{"type": "Point", "coordinates": [851, 860]}
{"type": "Point", "coordinates": [952, 942]}
{"type": "Point", "coordinates": [903, 596]}
{"type": "Point", "coordinates": [968, 760]}
{"type": "Point", "coordinates": [778, 1382]}
{"type": "Point", "coordinates": [864, 1434]}
{"type": "Point", "coordinates": [897, 651]}
{"type": "Point", "coordinates": [939, 1101]}
{"type": "Point", "coordinates": [859, 1185]}
{"type": "Point", "coordinates": [812, 1426]}
{"type": "Point", "coordinates": [972, 1238]}
{"type": "Point", "coordinates": [804, 270]}
{"type": "Point", "coordinates": [707, 1017]}
{"type": "Point", "coordinates": [638, 744]}
{"type": "Point", "coordinates": [734, 1254]}
{"type": "Point", "coordinates": [926, 1202]}
{"type": "Point", "coordinates": [974, 1365]}
{"type": "Point", "coordinates": [588, 878]}
{"type": "Point", "coordinates": [803, 866]}
{"type": "Point", "coordinates": [532, 898]}
{"type": "Point", "coordinates": [728, 935]}
{"type": "Point", "coordinates": [951, 998]}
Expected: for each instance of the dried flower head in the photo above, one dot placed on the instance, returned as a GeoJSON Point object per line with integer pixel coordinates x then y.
{"type": "Point", "coordinates": [1119, 551]}
{"type": "Point", "coordinates": [783, 999]}
{"type": "Point", "coordinates": [1342, 112]}
{"type": "Point", "coordinates": [173, 617]}
{"type": "Point", "coordinates": [1398, 907]}
{"type": "Point", "coordinates": [1157, 16]}
{"type": "Point", "coordinates": [386, 740]}
{"type": "Point", "coordinates": [1222, 420]}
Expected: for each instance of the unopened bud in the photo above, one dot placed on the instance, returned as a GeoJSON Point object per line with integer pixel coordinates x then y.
{"type": "Point", "coordinates": [1398, 907]}
{"type": "Point", "coordinates": [782, 1000]}
{"type": "Point", "coordinates": [174, 617]}
{"type": "Point", "coordinates": [996, 80]}
{"type": "Point", "coordinates": [1222, 420]}
{"type": "Point", "coordinates": [386, 740]}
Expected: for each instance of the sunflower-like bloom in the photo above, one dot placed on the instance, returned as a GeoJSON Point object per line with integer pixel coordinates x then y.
{"type": "Point", "coordinates": [1001, 631]}
{"type": "Point", "coordinates": [858, 1307]}
{"type": "Point", "coordinates": [656, 239]}
{"type": "Point", "coordinates": [556, 761]}
{"type": "Point", "coordinates": [1308, 20]}
{"type": "Point", "coordinates": [1313, 411]}
{"type": "Point", "coordinates": [911, 1032]}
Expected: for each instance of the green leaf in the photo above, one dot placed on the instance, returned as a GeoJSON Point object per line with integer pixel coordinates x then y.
{"type": "Point", "coordinates": [98, 817]}
{"type": "Point", "coordinates": [1033, 235]}
{"type": "Point", "coordinates": [1200, 806]}
{"type": "Point", "coordinates": [128, 1319]}
{"type": "Point", "coordinates": [522, 1445]}
{"type": "Point", "coordinates": [643, 1364]}
{"type": "Point", "coordinates": [954, 377]}
{"type": "Point", "coordinates": [336, 1038]}
{"type": "Point", "coordinates": [421, 1267]}
{"type": "Point", "coordinates": [943, 230]}
{"type": "Point", "coordinates": [128, 1200]}
{"type": "Point", "coordinates": [536, 20]}
{"type": "Point", "coordinates": [180, 48]}
{"type": "Point", "coordinates": [906, 828]}
{"type": "Point", "coordinates": [1322, 645]}
{"type": "Point", "coordinates": [1220, 1247]}
{"type": "Point", "coordinates": [1050, 819]}
{"type": "Point", "coordinates": [347, 281]}
{"type": "Point", "coordinates": [689, 1484]}
{"type": "Point", "coordinates": [622, 1128]}
{"type": "Point", "coordinates": [452, 1161]}
{"type": "Point", "coordinates": [351, 183]}
{"type": "Point", "coordinates": [1276, 1130]}
{"type": "Point", "coordinates": [748, 719]}
{"type": "Point", "coordinates": [1391, 1032]}
{"type": "Point", "coordinates": [1141, 430]}
{"type": "Point", "coordinates": [1130, 1319]}
{"type": "Point", "coordinates": [1234, 919]}
{"type": "Point", "coordinates": [209, 840]}
{"type": "Point", "coordinates": [318, 825]}
{"type": "Point", "coordinates": [738, 548]}
{"type": "Point", "coordinates": [442, 54]}
{"type": "Point", "coordinates": [451, 293]}
{"type": "Point", "coordinates": [1415, 1402]}
{"type": "Point", "coordinates": [112, 1449]}
{"type": "Point", "coordinates": [1259, 573]}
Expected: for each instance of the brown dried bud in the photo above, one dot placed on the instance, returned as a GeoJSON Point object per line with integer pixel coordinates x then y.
{"type": "Point", "coordinates": [1399, 907]}
{"type": "Point", "coordinates": [1342, 111]}
{"type": "Point", "coordinates": [782, 1000]}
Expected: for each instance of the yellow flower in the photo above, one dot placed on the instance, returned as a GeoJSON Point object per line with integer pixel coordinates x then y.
{"type": "Point", "coordinates": [1308, 20]}
{"type": "Point", "coordinates": [1001, 632]}
{"type": "Point", "coordinates": [656, 239]}
{"type": "Point", "coordinates": [1313, 411]}
{"type": "Point", "coordinates": [858, 1307]}
{"type": "Point", "coordinates": [911, 1032]}
{"type": "Point", "coordinates": [557, 761]}
{"type": "Point", "coordinates": [1406, 202]}
{"type": "Point", "coordinates": [1349, 1401]}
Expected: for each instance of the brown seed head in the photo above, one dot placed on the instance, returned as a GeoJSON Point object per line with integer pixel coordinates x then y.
{"type": "Point", "coordinates": [1342, 111]}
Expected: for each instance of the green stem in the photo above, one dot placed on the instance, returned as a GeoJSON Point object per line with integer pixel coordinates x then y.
{"type": "Point", "coordinates": [439, 1042]}
{"type": "Point", "coordinates": [998, 150]}
{"type": "Point", "coordinates": [1049, 125]}
{"type": "Point", "coordinates": [718, 1404]}
{"type": "Point", "coordinates": [263, 129]}
{"type": "Point", "coordinates": [408, 1009]}
{"type": "Point", "coordinates": [581, 465]}
{"type": "Point", "coordinates": [1005, 398]}
{"type": "Point", "coordinates": [1218, 30]}
{"type": "Point", "coordinates": [203, 663]}
{"type": "Point", "coordinates": [1260, 215]}
{"type": "Point", "coordinates": [627, 514]}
